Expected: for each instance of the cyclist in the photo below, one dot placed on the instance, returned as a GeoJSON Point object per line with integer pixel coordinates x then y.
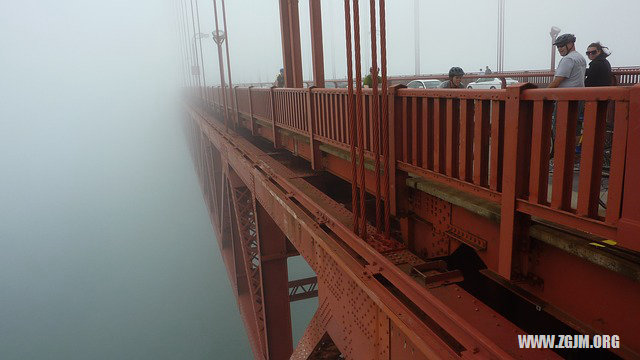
{"type": "Point", "coordinates": [455, 79]}
{"type": "Point", "coordinates": [570, 73]}
{"type": "Point", "coordinates": [572, 66]}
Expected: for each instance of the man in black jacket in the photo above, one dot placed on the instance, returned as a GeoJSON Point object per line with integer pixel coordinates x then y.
{"type": "Point", "coordinates": [599, 71]}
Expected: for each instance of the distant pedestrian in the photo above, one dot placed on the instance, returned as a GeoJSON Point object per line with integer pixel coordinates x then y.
{"type": "Point", "coordinates": [455, 79]}
{"type": "Point", "coordinates": [280, 79]}
{"type": "Point", "coordinates": [368, 80]}
{"type": "Point", "coordinates": [599, 71]}
{"type": "Point", "coordinates": [487, 71]}
{"type": "Point", "coordinates": [572, 66]}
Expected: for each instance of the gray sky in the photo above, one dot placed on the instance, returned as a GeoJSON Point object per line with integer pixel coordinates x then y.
{"type": "Point", "coordinates": [452, 33]}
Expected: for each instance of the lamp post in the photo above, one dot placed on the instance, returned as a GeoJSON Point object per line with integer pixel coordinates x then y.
{"type": "Point", "coordinates": [554, 33]}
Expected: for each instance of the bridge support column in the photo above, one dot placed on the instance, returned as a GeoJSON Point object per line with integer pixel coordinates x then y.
{"type": "Point", "coordinates": [290, 34]}
{"type": "Point", "coordinates": [275, 285]}
{"type": "Point", "coordinates": [513, 224]}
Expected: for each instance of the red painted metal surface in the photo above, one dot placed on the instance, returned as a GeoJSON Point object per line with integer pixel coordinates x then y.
{"type": "Point", "coordinates": [450, 134]}
{"type": "Point", "coordinates": [499, 220]}
{"type": "Point", "coordinates": [451, 127]}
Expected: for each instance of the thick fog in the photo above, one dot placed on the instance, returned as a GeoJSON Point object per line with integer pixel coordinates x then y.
{"type": "Point", "coordinates": [106, 250]}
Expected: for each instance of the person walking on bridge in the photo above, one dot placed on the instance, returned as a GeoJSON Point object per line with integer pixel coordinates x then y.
{"type": "Point", "coordinates": [570, 73]}
{"type": "Point", "coordinates": [572, 66]}
{"type": "Point", "coordinates": [368, 80]}
{"type": "Point", "coordinates": [280, 79]}
{"type": "Point", "coordinates": [455, 79]}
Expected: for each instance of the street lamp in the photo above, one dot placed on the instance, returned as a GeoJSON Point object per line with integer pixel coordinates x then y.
{"type": "Point", "coordinates": [554, 33]}
{"type": "Point", "coordinates": [218, 36]}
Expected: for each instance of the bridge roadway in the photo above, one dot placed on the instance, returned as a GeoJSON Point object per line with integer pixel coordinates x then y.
{"type": "Point", "coordinates": [394, 298]}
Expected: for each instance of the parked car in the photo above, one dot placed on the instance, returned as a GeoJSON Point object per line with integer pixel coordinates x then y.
{"type": "Point", "coordinates": [424, 84]}
{"type": "Point", "coordinates": [343, 85]}
{"type": "Point", "coordinates": [489, 83]}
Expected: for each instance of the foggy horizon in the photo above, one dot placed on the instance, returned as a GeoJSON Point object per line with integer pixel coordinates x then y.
{"type": "Point", "coordinates": [106, 246]}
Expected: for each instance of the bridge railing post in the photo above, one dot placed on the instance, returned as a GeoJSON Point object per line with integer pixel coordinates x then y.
{"type": "Point", "coordinates": [314, 149]}
{"type": "Point", "coordinates": [272, 99]}
{"type": "Point", "coordinates": [251, 119]}
{"type": "Point", "coordinates": [393, 113]}
{"type": "Point", "coordinates": [517, 145]}
{"type": "Point", "coordinates": [236, 122]}
{"type": "Point", "coordinates": [629, 223]}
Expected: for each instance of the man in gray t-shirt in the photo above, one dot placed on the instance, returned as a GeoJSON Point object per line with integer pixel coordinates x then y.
{"type": "Point", "coordinates": [572, 66]}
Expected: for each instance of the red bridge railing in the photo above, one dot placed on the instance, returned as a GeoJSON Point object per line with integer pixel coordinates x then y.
{"type": "Point", "coordinates": [519, 143]}
{"type": "Point", "coordinates": [454, 136]}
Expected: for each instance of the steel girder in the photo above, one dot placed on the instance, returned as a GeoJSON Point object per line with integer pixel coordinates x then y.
{"type": "Point", "coordinates": [374, 309]}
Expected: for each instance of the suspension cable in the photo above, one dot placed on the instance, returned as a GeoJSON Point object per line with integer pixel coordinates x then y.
{"type": "Point", "coordinates": [359, 117]}
{"type": "Point", "coordinates": [221, 66]}
{"type": "Point", "coordinates": [195, 49]}
{"type": "Point", "coordinates": [350, 114]}
{"type": "Point", "coordinates": [385, 119]}
{"type": "Point", "coordinates": [204, 79]}
{"type": "Point", "coordinates": [226, 39]}
{"type": "Point", "coordinates": [374, 112]}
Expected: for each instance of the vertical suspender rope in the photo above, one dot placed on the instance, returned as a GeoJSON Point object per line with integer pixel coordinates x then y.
{"type": "Point", "coordinates": [385, 119]}
{"type": "Point", "coordinates": [185, 61]}
{"type": "Point", "coordinates": [195, 49]}
{"type": "Point", "coordinates": [226, 41]}
{"type": "Point", "coordinates": [351, 115]}
{"type": "Point", "coordinates": [187, 43]}
{"type": "Point", "coordinates": [359, 117]}
{"type": "Point", "coordinates": [221, 65]}
{"type": "Point", "coordinates": [204, 79]}
{"type": "Point", "coordinates": [374, 112]}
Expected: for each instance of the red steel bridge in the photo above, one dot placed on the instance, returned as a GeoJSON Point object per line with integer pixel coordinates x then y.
{"type": "Point", "coordinates": [439, 223]}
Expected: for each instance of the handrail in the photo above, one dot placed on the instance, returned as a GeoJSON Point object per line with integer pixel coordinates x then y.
{"type": "Point", "coordinates": [630, 75]}
{"type": "Point", "coordinates": [463, 139]}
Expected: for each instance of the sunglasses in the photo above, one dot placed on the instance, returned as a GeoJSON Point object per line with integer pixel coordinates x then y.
{"type": "Point", "coordinates": [592, 52]}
